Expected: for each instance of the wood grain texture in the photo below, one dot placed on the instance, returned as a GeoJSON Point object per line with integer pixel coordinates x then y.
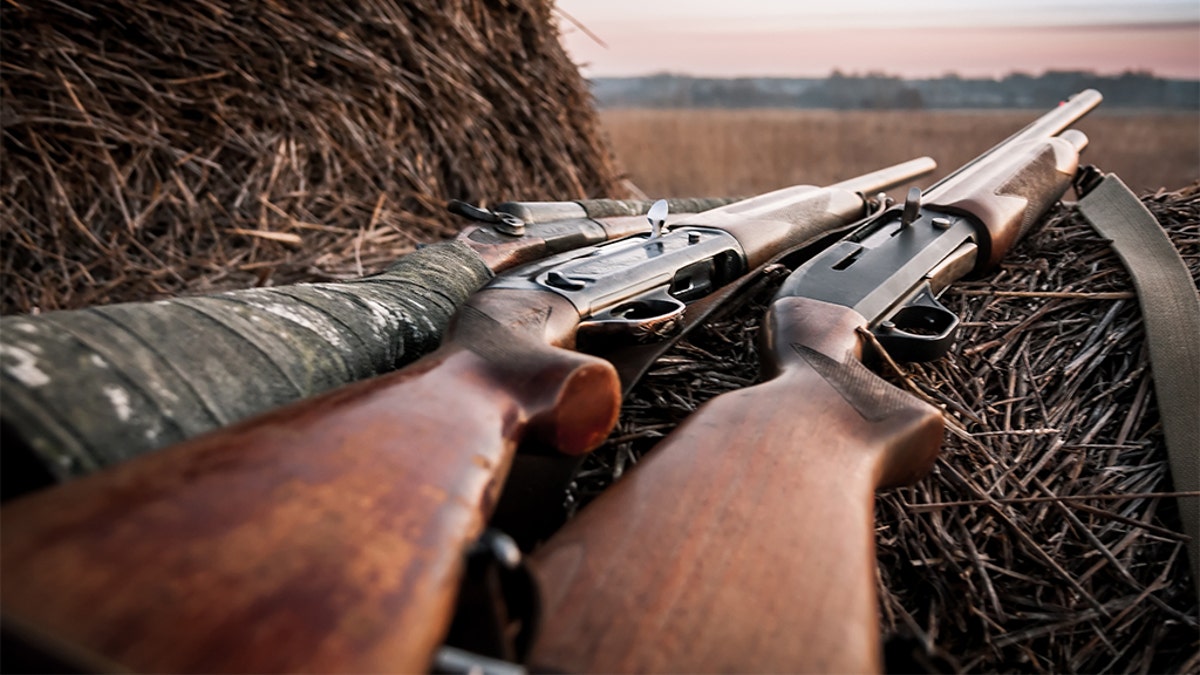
{"type": "Point", "coordinates": [326, 536]}
{"type": "Point", "coordinates": [744, 542]}
{"type": "Point", "coordinates": [1010, 191]}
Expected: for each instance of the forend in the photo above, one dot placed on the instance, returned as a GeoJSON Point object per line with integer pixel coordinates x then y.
{"type": "Point", "coordinates": [1009, 187]}
{"type": "Point", "coordinates": [891, 269]}
{"type": "Point", "coordinates": [1012, 191]}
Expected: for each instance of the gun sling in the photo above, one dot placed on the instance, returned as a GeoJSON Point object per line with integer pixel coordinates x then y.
{"type": "Point", "coordinates": [1171, 313]}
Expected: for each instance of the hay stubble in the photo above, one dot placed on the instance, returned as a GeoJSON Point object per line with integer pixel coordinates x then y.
{"type": "Point", "coordinates": [1047, 537]}
{"type": "Point", "coordinates": [153, 148]}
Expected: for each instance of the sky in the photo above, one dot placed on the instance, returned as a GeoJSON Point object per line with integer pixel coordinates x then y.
{"type": "Point", "coordinates": [910, 38]}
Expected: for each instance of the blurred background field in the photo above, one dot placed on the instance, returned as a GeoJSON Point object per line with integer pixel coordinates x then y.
{"type": "Point", "coordinates": [674, 152]}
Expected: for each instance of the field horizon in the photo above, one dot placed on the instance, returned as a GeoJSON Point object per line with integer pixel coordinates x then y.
{"type": "Point", "coordinates": [720, 152]}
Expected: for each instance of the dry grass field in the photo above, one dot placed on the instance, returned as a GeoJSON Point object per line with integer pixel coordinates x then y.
{"type": "Point", "coordinates": [728, 152]}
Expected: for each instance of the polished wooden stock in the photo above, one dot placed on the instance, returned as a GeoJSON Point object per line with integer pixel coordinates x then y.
{"type": "Point", "coordinates": [745, 541]}
{"type": "Point", "coordinates": [325, 536]}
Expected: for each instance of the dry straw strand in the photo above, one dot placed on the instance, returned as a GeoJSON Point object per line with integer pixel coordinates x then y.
{"type": "Point", "coordinates": [154, 148]}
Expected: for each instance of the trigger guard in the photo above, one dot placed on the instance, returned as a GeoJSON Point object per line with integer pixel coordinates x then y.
{"type": "Point", "coordinates": [646, 318]}
{"type": "Point", "coordinates": [922, 329]}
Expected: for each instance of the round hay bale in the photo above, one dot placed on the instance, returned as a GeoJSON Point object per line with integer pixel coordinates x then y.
{"type": "Point", "coordinates": [154, 148]}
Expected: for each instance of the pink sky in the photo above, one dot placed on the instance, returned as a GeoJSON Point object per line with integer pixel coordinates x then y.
{"type": "Point", "coordinates": [782, 39]}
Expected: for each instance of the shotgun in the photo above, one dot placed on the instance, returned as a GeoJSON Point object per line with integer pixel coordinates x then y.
{"type": "Point", "coordinates": [330, 534]}
{"type": "Point", "coordinates": [89, 388]}
{"type": "Point", "coordinates": [744, 540]}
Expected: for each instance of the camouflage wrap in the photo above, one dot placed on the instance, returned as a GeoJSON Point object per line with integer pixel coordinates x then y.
{"type": "Point", "coordinates": [89, 388]}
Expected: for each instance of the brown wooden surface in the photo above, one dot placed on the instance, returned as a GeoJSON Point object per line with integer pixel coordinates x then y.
{"type": "Point", "coordinates": [1013, 190]}
{"type": "Point", "coordinates": [744, 542]}
{"type": "Point", "coordinates": [326, 536]}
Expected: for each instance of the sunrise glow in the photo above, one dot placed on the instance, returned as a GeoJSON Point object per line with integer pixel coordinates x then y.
{"type": "Point", "coordinates": [928, 38]}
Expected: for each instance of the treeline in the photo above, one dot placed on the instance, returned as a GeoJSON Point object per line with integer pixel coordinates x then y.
{"type": "Point", "coordinates": [882, 92]}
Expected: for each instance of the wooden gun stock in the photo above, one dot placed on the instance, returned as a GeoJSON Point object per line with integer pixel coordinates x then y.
{"type": "Point", "coordinates": [745, 541]}
{"type": "Point", "coordinates": [324, 536]}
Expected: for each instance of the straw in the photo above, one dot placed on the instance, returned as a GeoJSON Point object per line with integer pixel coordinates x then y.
{"type": "Point", "coordinates": [1047, 537]}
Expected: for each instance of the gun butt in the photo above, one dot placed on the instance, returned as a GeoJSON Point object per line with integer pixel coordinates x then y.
{"type": "Point", "coordinates": [744, 541]}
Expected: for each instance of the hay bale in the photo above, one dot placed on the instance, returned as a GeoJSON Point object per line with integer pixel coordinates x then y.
{"type": "Point", "coordinates": [1046, 539]}
{"type": "Point", "coordinates": [154, 148]}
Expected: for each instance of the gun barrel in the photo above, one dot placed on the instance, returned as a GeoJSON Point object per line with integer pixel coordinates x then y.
{"type": "Point", "coordinates": [548, 212]}
{"type": "Point", "coordinates": [1048, 125]}
{"type": "Point", "coordinates": [1009, 187]}
{"type": "Point", "coordinates": [889, 177]}
{"type": "Point", "coordinates": [1067, 113]}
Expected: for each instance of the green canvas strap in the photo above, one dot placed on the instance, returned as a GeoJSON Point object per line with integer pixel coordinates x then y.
{"type": "Point", "coordinates": [1171, 314]}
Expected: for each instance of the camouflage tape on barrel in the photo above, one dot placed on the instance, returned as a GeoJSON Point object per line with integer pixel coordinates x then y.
{"type": "Point", "coordinates": [85, 389]}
